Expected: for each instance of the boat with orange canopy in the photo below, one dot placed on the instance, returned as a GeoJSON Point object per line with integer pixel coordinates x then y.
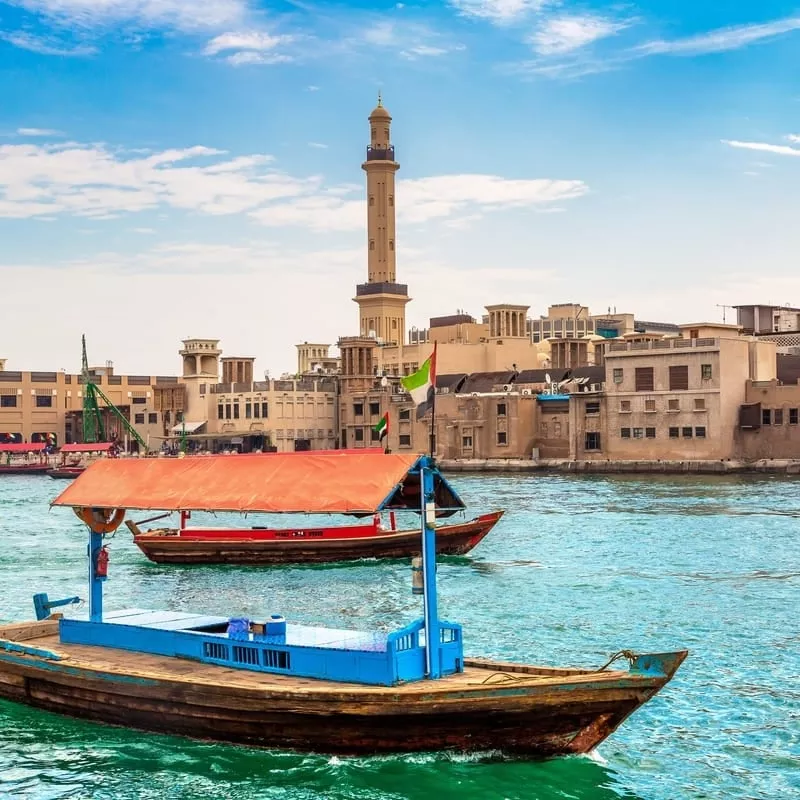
{"type": "Point", "coordinates": [20, 458]}
{"type": "Point", "coordinates": [75, 458]}
{"type": "Point", "coordinates": [263, 681]}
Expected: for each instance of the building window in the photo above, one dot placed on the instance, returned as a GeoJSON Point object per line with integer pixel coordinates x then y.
{"type": "Point", "coordinates": [138, 419]}
{"type": "Point", "coordinates": [705, 372]}
{"type": "Point", "coordinates": [220, 411]}
{"type": "Point", "coordinates": [502, 437]}
{"type": "Point", "coordinates": [359, 434]}
{"type": "Point", "coordinates": [374, 409]}
{"type": "Point", "coordinates": [236, 411]}
{"type": "Point", "coordinates": [152, 419]}
{"type": "Point", "coordinates": [358, 409]}
{"type": "Point", "coordinates": [371, 200]}
{"type": "Point", "coordinates": [593, 408]}
{"type": "Point", "coordinates": [405, 440]}
{"type": "Point", "coordinates": [678, 378]}
{"type": "Point", "coordinates": [376, 436]}
{"type": "Point", "coordinates": [139, 401]}
{"type": "Point", "coordinates": [248, 410]}
{"type": "Point", "coordinates": [644, 379]}
{"type": "Point", "coordinates": [766, 416]}
{"type": "Point", "coordinates": [625, 433]}
{"type": "Point", "coordinates": [673, 405]}
{"type": "Point", "coordinates": [501, 409]}
{"type": "Point", "coordinates": [227, 410]}
{"type": "Point", "coordinates": [649, 405]}
{"type": "Point", "coordinates": [687, 433]}
{"type": "Point", "coordinates": [638, 433]}
{"type": "Point", "coordinates": [674, 433]}
{"type": "Point", "coordinates": [404, 415]}
{"type": "Point", "coordinates": [371, 244]}
{"type": "Point", "coordinates": [699, 404]}
{"type": "Point", "coordinates": [264, 410]}
{"type": "Point", "coordinates": [617, 374]}
{"type": "Point", "coordinates": [777, 416]}
{"type": "Point", "coordinates": [625, 406]}
{"type": "Point", "coordinates": [793, 416]}
{"type": "Point", "coordinates": [650, 433]}
{"type": "Point", "coordinates": [256, 410]}
{"type": "Point", "coordinates": [543, 429]}
{"type": "Point", "coordinates": [8, 401]}
{"type": "Point", "coordinates": [700, 432]}
{"type": "Point", "coordinates": [466, 443]}
{"type": "Point", "coordinates": [391, 199]}
{"type": "Point", "coordinates": [44, 401]}
{"type": "Point", "coordinates": [592, 441]}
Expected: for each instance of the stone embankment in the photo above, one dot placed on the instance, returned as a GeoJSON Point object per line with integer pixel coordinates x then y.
{"type": "Point", "coordinates": [774, 466]}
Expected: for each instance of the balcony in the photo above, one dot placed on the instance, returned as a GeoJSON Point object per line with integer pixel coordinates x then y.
{"type": "Point", "coordinates": [380, 153]}
{"type": "Point", "coordinates": [660, 344]}
{"type": "Point", "coordinates": [384, 287]}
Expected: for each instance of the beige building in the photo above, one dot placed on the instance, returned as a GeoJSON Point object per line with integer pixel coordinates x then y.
{"type": "Point", "coordinates": [247, 415]}
{"type": "Point", "coordinates": [676, 398]}
{"type": "Point", "coordinates": [35, 404]}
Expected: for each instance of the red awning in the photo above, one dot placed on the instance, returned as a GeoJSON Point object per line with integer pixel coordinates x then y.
{"type": "Point", "coordinates": [22, 448]}
{"type": "Point", "coordinates": [321, 482]}
{"type": "Point", "coordinates": [94, 447]}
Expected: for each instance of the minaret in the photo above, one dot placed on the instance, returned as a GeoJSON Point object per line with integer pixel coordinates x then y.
{"type": "Point", "coordinates": [381, 300]}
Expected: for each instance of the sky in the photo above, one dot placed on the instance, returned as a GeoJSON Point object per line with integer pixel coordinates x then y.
{"type": "Point", "coordinates": [177, 168]}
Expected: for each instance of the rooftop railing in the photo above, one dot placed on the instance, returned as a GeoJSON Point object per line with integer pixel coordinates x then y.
{"type": "Point", "coordinates": [661, 344]}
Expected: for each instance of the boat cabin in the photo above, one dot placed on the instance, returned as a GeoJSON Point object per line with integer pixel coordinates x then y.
{"type": "Point", "coordinates": [360, 485]}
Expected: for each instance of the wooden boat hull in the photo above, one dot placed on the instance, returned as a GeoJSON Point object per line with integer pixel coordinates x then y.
{"type": "Point", "coordinates": [65, 473]}
{"type": "Point", "coordinates": [256, 547]}
{"type": "Point", "coordinates": [24, 469]}
{"type": "Point", "coordinates": [526, 711]}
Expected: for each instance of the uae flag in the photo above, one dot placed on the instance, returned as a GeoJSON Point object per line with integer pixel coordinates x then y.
{"type": "Point", "coordinates": [382, 428]}
{"type": "Point", "coordinates": [422, 385]}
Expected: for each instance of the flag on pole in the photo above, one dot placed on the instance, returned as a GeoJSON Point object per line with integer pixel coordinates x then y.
{"type": "Point", "coordinates": [382, 428]}
{"type": "Point", "coordinates": [422, 385]}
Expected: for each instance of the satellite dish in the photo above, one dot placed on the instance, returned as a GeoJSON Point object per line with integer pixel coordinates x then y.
{"type": "Point", "coordinates": [547, 378]}
{"type": "Point", "coordinates": [384, 381]}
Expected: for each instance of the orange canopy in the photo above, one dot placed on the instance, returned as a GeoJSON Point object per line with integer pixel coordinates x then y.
{"type": "Point", "coordinates": [319, 482]}
{"type": "Point", "coordinates": [95, 447]}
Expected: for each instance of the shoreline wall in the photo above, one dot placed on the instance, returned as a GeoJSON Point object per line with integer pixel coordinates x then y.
{"type": "Point", "coordinates": [773, 466]}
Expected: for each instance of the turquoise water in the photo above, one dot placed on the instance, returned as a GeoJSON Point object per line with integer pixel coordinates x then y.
{"type": "Point", "coordinates": [579, 568]}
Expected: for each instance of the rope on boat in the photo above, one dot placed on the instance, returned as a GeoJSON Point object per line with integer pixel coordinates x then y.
{"type": "Point", "coordinates": [629, 654]}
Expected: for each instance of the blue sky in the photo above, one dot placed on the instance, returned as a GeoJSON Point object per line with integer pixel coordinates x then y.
{"type": "Point", "coordinates": [172, 168]}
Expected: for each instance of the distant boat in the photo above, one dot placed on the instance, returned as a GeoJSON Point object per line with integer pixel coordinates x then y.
{"type": "Point", "coordinates": [302, 545]}
{"type": "Point", "coordinates": [75, 458]}
{"type": "Point", "coordinates": [18, 458]}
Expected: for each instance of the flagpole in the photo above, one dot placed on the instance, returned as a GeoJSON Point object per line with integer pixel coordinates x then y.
{"type": "Point", "coordinates": [432, 432]}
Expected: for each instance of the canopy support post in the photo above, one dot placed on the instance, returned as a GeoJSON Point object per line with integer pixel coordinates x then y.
{"type": "Point", "coordinates": [95, 582]}
{"type": "Point", "coordinates": [431, 603]}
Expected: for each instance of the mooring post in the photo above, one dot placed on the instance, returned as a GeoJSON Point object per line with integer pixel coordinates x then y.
{"type": "Point", "coordinates": [95, 582]}
{"type": "Point", "coordinates": [431, 603]}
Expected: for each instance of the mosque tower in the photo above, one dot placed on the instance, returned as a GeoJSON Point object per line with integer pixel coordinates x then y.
{"type": "Point", "coordinates": [381, 300]}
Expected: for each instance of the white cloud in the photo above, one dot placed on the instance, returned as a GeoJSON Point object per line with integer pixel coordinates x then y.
{"type": "Point", "coordinates": [498, 11]}
{"type": "Point", "coordinates": [45, 46]}
{"type": "Point", "coordinates": [794, 138]}
{"type": "Point", "coordinates": [318, 145]}
{"type": "Point", "coordinates": [38, 132]}
{"type": "Point", "coordinates": [186, 15]}
{"type": "Point", "coordinates": [422, 200]}
{"type": "Point", "coordinates": [410, 40]}
{"type": "Point", "coordinates": [560, 35]}
{"type": "Point", "coordinates": [778, 149]}
{"type": "Point", "coordinates": [721, 39]}
{"type": "Point", "coordinates": [94, 181]}
{"type": "Point", "coordinates": [144, 230]}
{"type": "Point", "coordinates": [312, 88]}
{"type": "Point", "coordinates": [252, 47]}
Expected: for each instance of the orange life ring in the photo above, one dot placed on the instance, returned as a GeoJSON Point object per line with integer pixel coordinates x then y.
{"type": "Point", "coordinates": [101, 520]}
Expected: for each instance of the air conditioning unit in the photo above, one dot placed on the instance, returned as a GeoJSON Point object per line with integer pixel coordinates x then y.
{"type": "Point", "coordinates": [506, 387]}
{"type": "Point", "coordinates": [526, 391]}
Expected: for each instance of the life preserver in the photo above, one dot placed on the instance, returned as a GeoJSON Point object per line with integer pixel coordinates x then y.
{"type": "Point", "coordinates": [101, 520]}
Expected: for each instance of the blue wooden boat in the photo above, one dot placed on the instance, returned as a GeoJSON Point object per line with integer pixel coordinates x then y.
{"type": "Point", "coordinates": [270, 683]}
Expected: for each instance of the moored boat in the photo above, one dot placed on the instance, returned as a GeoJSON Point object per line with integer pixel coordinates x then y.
{"type": "Point", "coordinates": [266, 682]}
{"type": "Point", "coordinates": [75, 458]}
{"type": "Point", "coordinates": [18, 458]}
{"type": "Point", "coordinates": [185, 545]}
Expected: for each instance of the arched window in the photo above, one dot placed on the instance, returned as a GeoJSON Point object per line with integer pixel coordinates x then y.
{"type": "Point", "coordinates": [371, 244]}
{"type": "Point", "coordinates": [371, 200]}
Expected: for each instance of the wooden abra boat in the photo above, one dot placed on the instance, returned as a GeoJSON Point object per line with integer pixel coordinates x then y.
{"type": "Point", "coordinates": [16, 459]}
{"type": "Point", "coordinates": [267, 683]}
{"type": "Point", "coordinates": [302, 545]}
{"type": "Point", "coordinates": [75, 458]}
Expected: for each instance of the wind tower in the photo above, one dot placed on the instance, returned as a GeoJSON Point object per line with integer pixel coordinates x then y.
{"type": "Point", "coordinates": [381, 300]}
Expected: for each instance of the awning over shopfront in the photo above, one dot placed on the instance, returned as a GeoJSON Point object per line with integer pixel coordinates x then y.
{"type": "Point", "coordinates": [188, 427]}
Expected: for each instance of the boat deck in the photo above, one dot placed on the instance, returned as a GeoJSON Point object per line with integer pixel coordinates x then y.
{"type": "Point", "coordinates": [477, 675]}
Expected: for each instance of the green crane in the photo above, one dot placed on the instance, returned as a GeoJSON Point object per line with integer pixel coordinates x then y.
{"type": "Point", "coordinates": [93, 427]}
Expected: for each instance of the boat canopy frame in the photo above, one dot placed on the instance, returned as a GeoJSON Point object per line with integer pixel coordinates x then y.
{"type": "Point", "coordinates": [328, 482]}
